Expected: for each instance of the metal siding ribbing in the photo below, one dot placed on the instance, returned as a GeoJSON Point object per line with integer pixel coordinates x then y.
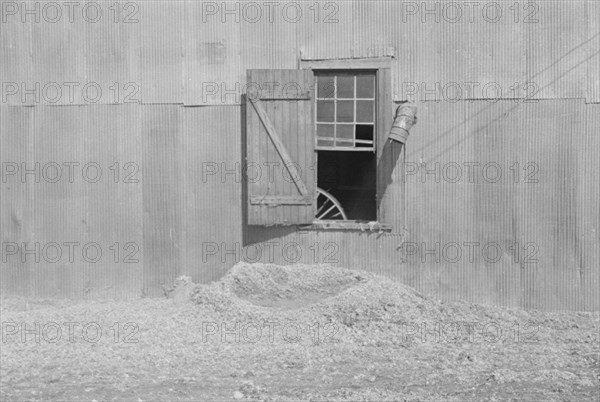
{"type": "Point", "coordinates": [48, 206]}
{"type": "Point", "coordinates": [16, 62]}
{"type": "Point", "coordinates": [439, 211]}
{"type": "Point", "coordinates": [177, 210]}
{"type": "Point", "coordinates": [161, 137]}
{"type": "Point", "coordinates": [265, 45]}
{"type": "Point", "coordinates": [380, 38]}
{"type": "Point", "coordinates": [588, 209]}
{"type": "Point", "coordinates": [161, 51]}
{"type": "Point", "coordinates": [504, 59]}
{"type": "Point", "coordinates": [442, 56]}
{"type": "Point", "coordinates": [59, 210]}
{"type": "Point", "coordinates": [592, 15]}
{"type": "Point", "coordinates": [15, 215]}
{"type": "Point", "coordinates": [212, 182]}
{"type": "Point", "coordinates": [177, 53]}
{"type": "Point", "coordinates": [113, 53]}
{"type": "Point", "coordinates": [170, 214]}
{"type": "Point", "coordinates": [547, 252]}
{"type": "Point", "coordinates": [557, 53]}
{"type": "Point", "coordinates": [212, 63]}
{"type": "Point", "coordinates": [115, 205]}
{"type": "Point", "coordinates": [496, 57]}
{"type": "Point", "coordinates": [326, 31]}
{"type": "Point", "coordinates": [58, 58]}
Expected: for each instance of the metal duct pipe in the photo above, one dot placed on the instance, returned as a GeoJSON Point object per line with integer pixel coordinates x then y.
{"type": "Point", "coordinates": [406, 117]}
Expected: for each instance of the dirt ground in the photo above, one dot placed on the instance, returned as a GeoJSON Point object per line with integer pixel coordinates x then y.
{"type": "Point", "coordinates": [274, 333]}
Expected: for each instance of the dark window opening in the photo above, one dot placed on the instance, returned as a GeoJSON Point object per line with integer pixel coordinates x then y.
{"type": "Point", "coordinates": [364, 135]}
{"type": "Point", "coordinates": [350, 178]}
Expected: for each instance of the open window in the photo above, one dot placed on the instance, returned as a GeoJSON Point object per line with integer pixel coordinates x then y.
{"type": "Point", "coordinates": [317, 147]}
{"type": "Point", "coordinates": [345, 127]}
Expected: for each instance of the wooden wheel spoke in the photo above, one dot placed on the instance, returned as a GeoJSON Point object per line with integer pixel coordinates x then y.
{"type": "Point", "coordinates": [331, 206]}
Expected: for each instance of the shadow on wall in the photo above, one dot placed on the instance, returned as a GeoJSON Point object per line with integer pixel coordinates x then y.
{"type": "Point", "coordinates": [243, 142]}
{"type": "Point", "coordinates": [386, 164]}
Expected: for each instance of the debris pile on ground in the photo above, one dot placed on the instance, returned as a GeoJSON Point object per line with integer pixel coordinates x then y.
{"type": "Point", "coordinates": [319, 293]}
{"type": "Point", "coordinates": [279, 287]}
{"type": "Point", "coordinates": [340, 335]}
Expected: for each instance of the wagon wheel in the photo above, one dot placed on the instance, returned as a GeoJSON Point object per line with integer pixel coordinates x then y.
{"type": "Point", "coordinates": [328, 207]}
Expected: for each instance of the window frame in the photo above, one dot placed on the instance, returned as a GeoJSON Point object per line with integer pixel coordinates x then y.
{"type": "Point", "coordinates": [390, 217]}
{"type": "Point", "coordinates": [336, 73]}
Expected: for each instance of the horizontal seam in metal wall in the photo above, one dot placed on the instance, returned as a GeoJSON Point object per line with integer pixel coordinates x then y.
{"type": "Point", "coordinates": [489, 100]}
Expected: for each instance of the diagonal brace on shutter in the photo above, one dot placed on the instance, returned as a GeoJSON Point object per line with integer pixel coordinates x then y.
{"type": "Point", "coordinates": [262, 114]}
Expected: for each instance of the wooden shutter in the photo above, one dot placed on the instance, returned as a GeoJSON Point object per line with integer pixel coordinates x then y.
{"type": "Point", "coordinates": [281, 159]}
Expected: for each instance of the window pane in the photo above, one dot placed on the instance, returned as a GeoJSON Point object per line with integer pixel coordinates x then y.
{"type": "Point", "coordinates": [339, 142]}
{"type": "Point", "coordinates": [364, 111]}
{"type": "Point", "coordinates": [345, 111]}
{"type": "Point", "coordinates": [365, 86]}
{"type": "Point", "coordinates": [325, 87]}
{"type": "Point", "coordinates": [325, 111]}
{"type": "Point", "coordinates": [345, 86]}
{"type": "Point", "coordinates": [325, 130]}
{"type": "Point", "coordinates": [345, 131]}
{"type": "Point", "coordinates": [364, 132]}
{"type": "Point", "coordinates": [324, 142]}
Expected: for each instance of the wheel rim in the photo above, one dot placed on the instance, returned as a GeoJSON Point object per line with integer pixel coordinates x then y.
{"type": "Point", "coordinates": [328, 208]}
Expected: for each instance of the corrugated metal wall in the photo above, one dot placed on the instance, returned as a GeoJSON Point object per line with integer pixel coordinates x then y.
{"type": "Point", "coordinates": [176, 205]}
{"type": "Point", "coordinates": [178, 51]}
{"type": "Point", "coordinates": [501, 206]}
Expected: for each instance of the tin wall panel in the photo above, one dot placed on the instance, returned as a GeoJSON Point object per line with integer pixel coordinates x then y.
{"type": "Point", "coordinates": [379, 39]}
{"type": "Point", "coordinates": [70, 206]}
{"type": "Point", "coordinates": [15, 198]}
{"type": "Point", "coordinates": [113, 52]}
{"type": "Point", "coordinates": [58, 56]}
{"type": "Point", "coordinates": [162, 196]}
{"type": "Point", "coordinates": [588, 216]}
{"type": "Point", "coordinates": [439, 57]}
{"type": "Point", "coordinates": [59, 206]}
{"type": "Point", "coordinates": [592, 15]}
{"type": "Point", "coordinates": [114, 203]}
{"type": "Point", "coordinates": [15, 58]}
{"type": "Point", "coordinates": [161, 51]}
{"type": "Point", "coordinates": [534, 235]}
{"type": "Point", "coordinates": [459, 53]}
{"type": "Point", "coordinates": [211, 158]}
{"type": "Point", "coordinates": [535, 50]}
{"type": "Point", "coordinates": [212, 66]}
{"type": "Point", "coordinates": [270, 45]}
{"type": "Point", "coordinates": [327, 30]}
{"type": "Point", "coordinates": [447, 226]}
{"type": "Point", "coordinates": [179, 45]}
{"type": "Point", "coordinates": [496, 55]}
{"type": "Point", "coordinates": [73, 57]}
{"type": "Point", "coordinates": [557, 50]}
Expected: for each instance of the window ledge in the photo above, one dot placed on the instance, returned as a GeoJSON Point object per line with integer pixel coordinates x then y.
{"type": "Point", "coordinates": [363, 226]}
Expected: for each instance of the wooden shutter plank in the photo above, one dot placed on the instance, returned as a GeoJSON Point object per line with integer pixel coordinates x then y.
{"type": "Point", "coordinates": [305, 95]}
{"type": "Point", "coordinates": [280, 200]}
{"type": "Point", "coordinates": [280, 129]}
{"type": "Point", "coordinates": [278, 145]}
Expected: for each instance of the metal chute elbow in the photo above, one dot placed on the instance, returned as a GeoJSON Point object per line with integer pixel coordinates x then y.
{"type": "Point", "coordinates": [406, 117]}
